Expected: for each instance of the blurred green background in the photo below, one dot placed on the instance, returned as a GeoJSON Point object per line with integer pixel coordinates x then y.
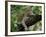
{"type": "Point", "coordinates": [17, 13]}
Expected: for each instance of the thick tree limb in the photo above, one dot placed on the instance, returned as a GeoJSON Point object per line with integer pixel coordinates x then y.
{"type": "Point", "coordinates": [33, 19]}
